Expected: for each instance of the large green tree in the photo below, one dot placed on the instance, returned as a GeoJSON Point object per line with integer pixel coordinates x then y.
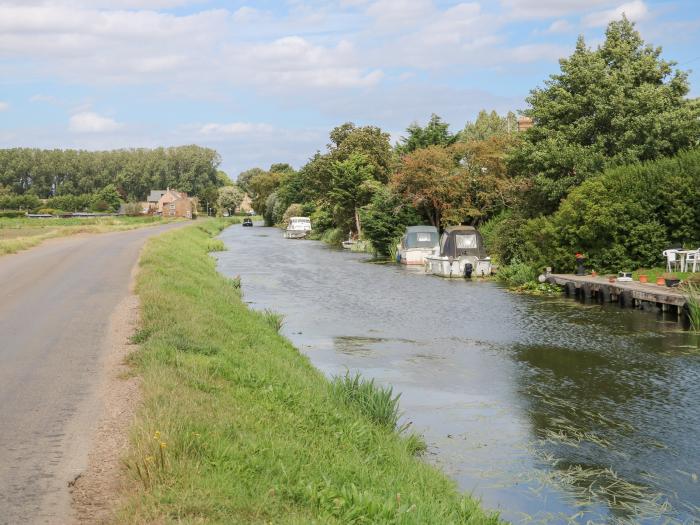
{"type": "Point", "coordinates": [488, 125]}
{"type": "Point", "coordinates": [616, 104]}
{"type": "Point", "coordinates": [435, 133]}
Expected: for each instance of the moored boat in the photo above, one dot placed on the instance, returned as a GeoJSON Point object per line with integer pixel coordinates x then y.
{"type": "Point", "coordinates": [298, 228]}
{"type": "Point", "coordinates": [417, 243]}
{"type": "Point", "coordinates": [462, 254]}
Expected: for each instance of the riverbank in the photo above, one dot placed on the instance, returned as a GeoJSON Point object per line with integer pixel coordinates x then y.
{"type": "Point", "coordinates": [19, 234]}
{"type": "Point", "coordinates": [238, 426]}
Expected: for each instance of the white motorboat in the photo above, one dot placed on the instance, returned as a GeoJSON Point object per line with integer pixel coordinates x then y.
{"type": "Point", "coordinates": [417, 243]}
{"type": "Point", "coordinates": [462, 254]}
{"type": "Point", "coordinates": [298, 228]}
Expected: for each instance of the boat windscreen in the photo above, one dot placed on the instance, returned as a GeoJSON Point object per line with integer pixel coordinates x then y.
{"type": "Point", "coordinates": [421, 239]}
{"type": "Point", "coordinates": [466, 242]}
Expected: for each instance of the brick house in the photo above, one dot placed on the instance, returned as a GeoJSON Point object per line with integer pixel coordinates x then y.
{"type": "Point", "coordinates": [172, 203]}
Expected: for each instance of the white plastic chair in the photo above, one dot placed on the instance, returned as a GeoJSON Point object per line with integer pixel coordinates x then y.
{"type": "Point", "coordinates": [671, 258]}
{"type": "Point", "coordinates": [694, 259]}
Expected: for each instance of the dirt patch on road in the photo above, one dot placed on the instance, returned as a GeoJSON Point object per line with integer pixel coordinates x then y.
{"type": "Point", "coordinates": [95, 493]}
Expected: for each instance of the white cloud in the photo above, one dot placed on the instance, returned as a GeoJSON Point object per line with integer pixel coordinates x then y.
{"type": "Point", "coordinates": [533, 9]}
{"type": "Point", "coordinates": [90, 122]}
{"type": "Point", "coordinates": [396, 14]}
{"type": "Point", "coordinates": [4, 106]}
{"type": "Point", "coordinates": [294, 62]}
{"type": "Point", "coordinates": [560, 26]}
{"type": "Point", "coordinates": [636, 10]}
{"type": "Point", "coordinates": [235, 128]}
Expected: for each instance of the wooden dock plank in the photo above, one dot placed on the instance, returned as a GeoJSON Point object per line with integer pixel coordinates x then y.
{"type": "Point", "coordinates": [640, 291]}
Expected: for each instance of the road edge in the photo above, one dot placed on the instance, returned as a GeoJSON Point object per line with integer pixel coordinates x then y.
{"type": "Point", "coordinates": [95, 493]}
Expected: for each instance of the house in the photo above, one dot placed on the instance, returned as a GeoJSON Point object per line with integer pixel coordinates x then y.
{"type": "Point", "coordinates": [525, 123]}
{"type": "Point", "coordinates": [171, 203]}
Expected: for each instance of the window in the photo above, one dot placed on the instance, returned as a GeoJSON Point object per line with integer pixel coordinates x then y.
{"type": "Point", "coordinates": [465, 242]}
{"type": "Point", "coordinates": [423, 237]}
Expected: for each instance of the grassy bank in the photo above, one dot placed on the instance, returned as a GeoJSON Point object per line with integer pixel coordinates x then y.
{"type": "Point", "coordinates": [238, 427]}
{"type": "Point", "coordinates": [21, 233]}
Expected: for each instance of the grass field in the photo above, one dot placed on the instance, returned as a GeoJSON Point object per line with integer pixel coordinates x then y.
{"type": "Point", "coordinates": [238, 427]}
{"type": "Point", "coordinates": [21, 234]}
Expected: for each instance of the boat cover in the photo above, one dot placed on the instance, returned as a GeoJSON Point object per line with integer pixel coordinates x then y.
{"type": "Point", "coordinates": [420, 237]}
{"type": "Point", "coordinates": [462, 240]}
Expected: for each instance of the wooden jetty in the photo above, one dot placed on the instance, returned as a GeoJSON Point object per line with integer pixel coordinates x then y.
{"type": "Point", "coordinates": [628, 294]}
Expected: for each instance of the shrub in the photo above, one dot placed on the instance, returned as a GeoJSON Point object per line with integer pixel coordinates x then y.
{"type": "Point", "coordinates": [12, 214]}
{"type": "Point", "coordinates": [517, 273]}
{"type": "Point", "coordinates": [384, 220]}
{"type": "Point", "coordinates": [133, 209]}
{"type": "Point", "coordinates": [294, 210]}
{"type": "Point", "coordinates": [622, 218]}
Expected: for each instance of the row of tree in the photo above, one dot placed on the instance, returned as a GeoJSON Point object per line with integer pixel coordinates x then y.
{"type": "Point", "coordinates": [132, 172]}
{"type": "Point", "coordinates": [618, 104]}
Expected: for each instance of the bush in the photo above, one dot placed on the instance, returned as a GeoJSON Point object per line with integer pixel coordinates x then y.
{"type": "Point", "coordinates": [294, 210]}
{"type": "Point", "coordinates": [19, 202]}
{"type": "Point", "coordinates": [622, 218]}
{"type": "Point", "coordinates": [12, 214]}
{"type": "Point", "coordinates": [133, 209]}
{"type": "Point", "coordinates": [384, 220]}
{"type": "Point", "coordinates": [517, 273]}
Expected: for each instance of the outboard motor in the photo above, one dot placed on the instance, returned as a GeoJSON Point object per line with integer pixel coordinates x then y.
{"type": "Point", "coordinates": [468, 269]}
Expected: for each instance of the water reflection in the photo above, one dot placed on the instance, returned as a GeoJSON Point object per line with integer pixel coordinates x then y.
{"type": "Point", "coordinates": [545, 408]}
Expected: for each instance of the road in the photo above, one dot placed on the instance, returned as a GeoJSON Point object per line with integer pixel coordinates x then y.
{"type": "Point", "coordinates": [55, 305]}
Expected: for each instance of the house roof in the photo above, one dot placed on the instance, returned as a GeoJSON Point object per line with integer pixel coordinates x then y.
{"type": "Point", "coordinates": [155, 195]}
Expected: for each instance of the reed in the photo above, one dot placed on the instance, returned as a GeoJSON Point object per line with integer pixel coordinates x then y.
{"type": "Point", "coordinates": [693, 304]}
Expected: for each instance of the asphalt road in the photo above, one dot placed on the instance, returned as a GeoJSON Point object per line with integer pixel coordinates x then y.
{"type": "Point", "coordinates": [55, 305]}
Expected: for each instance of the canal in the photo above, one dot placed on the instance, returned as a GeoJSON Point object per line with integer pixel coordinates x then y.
{"type": "Point", "coordinates": [545, 408]}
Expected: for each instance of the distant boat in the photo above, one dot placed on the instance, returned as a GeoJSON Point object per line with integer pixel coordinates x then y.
{"type": "Point", "coordinates": [347, 245]}
{"type": "Point", "coordinates": [298, 228]}
{"type": "Point", "coordinates": [462, 254]}
{"type": "Point", "coordinates": [417, 243]}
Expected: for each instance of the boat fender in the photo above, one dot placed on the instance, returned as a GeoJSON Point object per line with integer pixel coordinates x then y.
{"type": "Point", "coordinates": [468, 269]}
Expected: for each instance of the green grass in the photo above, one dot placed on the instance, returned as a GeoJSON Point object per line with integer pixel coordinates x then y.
{"type": "Point", "coordinates": [22, 233]}
{"type": "Point", "coordinates": [655, 273]}
{"type": "Point", "coordinates": [238, 427]}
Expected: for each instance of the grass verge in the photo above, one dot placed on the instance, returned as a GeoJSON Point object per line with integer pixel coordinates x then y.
{"type": "Point", "coordinates": [21, 234]}
{"type": "Point", "coordinates": [238, 427]}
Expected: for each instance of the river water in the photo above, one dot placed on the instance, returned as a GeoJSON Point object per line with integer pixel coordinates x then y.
{"type": "Point", "coordinates": [545, 408]}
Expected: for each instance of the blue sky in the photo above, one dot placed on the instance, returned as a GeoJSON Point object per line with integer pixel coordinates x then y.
{"type": "Point", "coordinates": [265, 81]}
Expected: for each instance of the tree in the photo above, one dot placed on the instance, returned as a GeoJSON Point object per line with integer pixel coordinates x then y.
{"type": "Point", "coordinates": [618, 104]}
{"type": "Point", "coordinates": [261, 186]}
{"type": "Point", "coordinates": [107, 199]}
{"type": "Point", "coordinates": [353, 186]}
{"type": "Point", "coordinates": [435, 133]}
{"type": "Point", "coordinates": [369, 141]}
{"type": "Point", "coordinates": [209, 198]}
{"type": "Point", "coordinates": [230, 197]}
{"type": "Point", "coordinates": [385, 218]}
{"type": "Point", "coordinates": [245, 177]}
{"type": "Point", "coordinates": [488, 125]}
{"type": "Point", "coordinates": [431, 180]}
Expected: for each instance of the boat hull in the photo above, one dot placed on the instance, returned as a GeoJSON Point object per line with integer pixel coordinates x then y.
{"type": "Point", "coordinates": [455, 268]}
{"type": "Point", "coordinates": [414, 255]}
{"type": "Point", "coordinates": [296, 234]}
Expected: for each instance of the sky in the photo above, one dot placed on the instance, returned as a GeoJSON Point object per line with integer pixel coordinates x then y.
{"type": "Point", "coordinates": [265, 81]}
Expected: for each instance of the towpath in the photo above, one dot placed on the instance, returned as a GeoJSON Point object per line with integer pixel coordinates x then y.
{"type": "Point", "coordinates": [55, 306]}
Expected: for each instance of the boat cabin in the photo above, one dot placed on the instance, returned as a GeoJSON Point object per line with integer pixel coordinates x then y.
{"type": "Point", "coordinates": [458, 241]}
{"type": "Point", "coordinates": [420, 237]}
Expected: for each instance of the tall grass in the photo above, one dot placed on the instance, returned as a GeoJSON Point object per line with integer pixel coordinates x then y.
{"type": "Point", "coordinates": [253, 432]}
{"type": "Point", "coordinates": [693, 303]}
{"type": "Point", "coordinates": [517, 274]}
{"type": "Point", "coordinates": [378, 403]}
